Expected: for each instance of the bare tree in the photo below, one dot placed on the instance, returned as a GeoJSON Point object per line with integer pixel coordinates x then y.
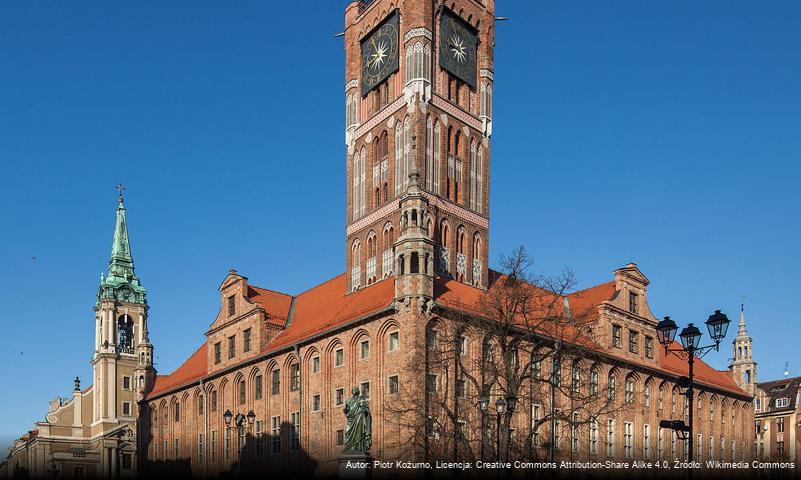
{"type": "Point", "coordinates": [520, 344]}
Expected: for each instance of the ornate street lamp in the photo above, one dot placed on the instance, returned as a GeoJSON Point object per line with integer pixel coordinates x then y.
{"type": "Point", "coordinates": [511, 402]}
{"type": "Point", "coordinates": [717, 324]}
{"type": "Point", "coordinates": [227, 416]}
{"type": "Point", "coordinates": [483, 403]}
{"type": "Point", "coordinates": [251, 418]}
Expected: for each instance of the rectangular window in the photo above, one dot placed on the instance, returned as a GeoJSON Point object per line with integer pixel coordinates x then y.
{"type": "Point", "coordinates": [634, 340]}
{"type": "Point", "coordinates": [232, 346]}
{"type": "Point", "coordinates": [294, 377]}
{"type": "Point", "coordinates": [200, 448]}
{"type": "Point", "coordinates": [227, 444]}
{"type": "Point", "coordinates": [594, 436]}
{"type": "Point", "coordinates": [779, 425]}
{"type": "Point", "coordinates": [164, 452]}
{"type": "Point", "coordinates": [364, 349]}
{"type": "Point", "coordinates": [610, 437]}
{"type": "Point", "coordinates": [177, 449]}
{"type": "Point", "coordinates": [646, 441]}
{"type": "Point", "coordinates": [275, 439]}
{"type": "Point", "coordinates": [276, 382]}
{"type": "Point", "coordinates": [394, 341]}
{"type": "Point", "coordinates": [460, 388]}
{"type": "Point", "coordinates": [126, 383]}
{"type": "Point", "coordinates": [213, 450]}
{"type": "Point", "coordinates": [295, 434]}
{"type": "Point", "coordinates": [214, 401]}
{"type": "Point", "coordinates": [632, 302]}
{"type": "Point", "coordinates": [246, 340]}
{"type": "Point", "coordinates": [200, 400]}
{"type": "Point", "coordinates": [177, 412]}
{"type": "Point", "coordinates": [339, 357]}
{"type": "Point", "coordinates": [628, 440]}
{"type": "Point", "coordinates": [782, 402]}
{"type": "Point", "coordinates": [340, 438]}
{"type": "Point", "coordinates": [316, 364]}
{"type": "Point", "coordinates": [242, 391]}
{"type": "Point", "coordinates": [231, 305]}
{"type": "Point", "coordinates": [259, 437]}
{"type": "Point", "coordinates": [660, 444]}
{"type": "Point", "coordinates": [366, 390]}
{"type": "Point", "coordinates": [616, 336]}
{"type": "Point", "coordinates": [339, 396]}
{"type": "Point", "coordinates": [649, 347]}
{"type": "Point", "coordinates": [432, 381]}
{"type": "Point", "coordinates": [80, 473]}
{"type": "Point", "coordinates": [126, 408]}
{"type": "Point", "coordinates": [316, 403]}
{"type": "Point", "coordinates": [217, 352]}
{"type": "Point", "coordinates": [127, 464]}
{"type": "Point", "coordinates": [535, 425]}
{"type": "Point", "coordinates": [574, 433]}
{"type": "Point", "coordinates": [257, 387]}
{"type": "Point", "coordinates": [394, 384]}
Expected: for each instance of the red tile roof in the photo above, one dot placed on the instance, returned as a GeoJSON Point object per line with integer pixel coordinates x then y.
{"type": "Point", "coordinates": [275, 303]}
{"type": "Point", "coordinates": [192, 369]}
{"type": "Point", "coordinates": [584, 303]}
{"type": "Point", "coordinates": [326, 307]}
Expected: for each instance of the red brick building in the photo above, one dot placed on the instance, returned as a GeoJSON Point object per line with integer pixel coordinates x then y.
{"type": "Point", "coordinates": [418, 94]}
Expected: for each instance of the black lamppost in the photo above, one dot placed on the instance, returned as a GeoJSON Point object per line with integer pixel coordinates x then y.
{"type": "Point", "coordinates": [511, 404]}
{"type": "Point", "coordinates": [239, 423]}
{"type": "Point", "coordinates": [690, 336]}
{"type": "Point", "coordinates": [483, 404]}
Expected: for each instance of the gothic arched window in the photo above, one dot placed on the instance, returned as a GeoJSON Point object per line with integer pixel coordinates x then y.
{"type": "Point", "coordinates": [363, 182]}
{"type": "Point", "coordinates": [356, 187]}
{"type": "Point", "coordinates": [473, 176]}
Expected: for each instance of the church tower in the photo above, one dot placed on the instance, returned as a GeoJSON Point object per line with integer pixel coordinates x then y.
{"type": "Point", "coordinates": [418, 71]}
{"type": "Point", "coordinates": [123, 356]}
{"type": "Point", "coordinates": [743, 367]}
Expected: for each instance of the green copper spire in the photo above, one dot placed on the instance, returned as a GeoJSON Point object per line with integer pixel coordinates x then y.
{"type": "Point", "coordinates": [121, 283]}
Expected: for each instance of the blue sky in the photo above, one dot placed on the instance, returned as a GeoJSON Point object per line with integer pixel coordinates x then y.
{"type": "Point", "coordinates": [665, 133]}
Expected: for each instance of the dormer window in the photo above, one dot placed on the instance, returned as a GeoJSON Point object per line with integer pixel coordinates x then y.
{"type": "Point", "coordinates": [632, 302]}
{"type": "Point", "coordinates": [782, 402]}
{"type": "Point", "coordinates": [231, 306]}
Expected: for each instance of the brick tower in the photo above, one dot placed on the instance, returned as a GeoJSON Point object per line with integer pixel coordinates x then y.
{"type": "Point", "coordinates": [418, 72]}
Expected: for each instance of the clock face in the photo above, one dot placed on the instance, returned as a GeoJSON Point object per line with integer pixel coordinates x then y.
{"type": "Point", "coordinates": [380, 53]}
{"type": "Point", "coordinates": [458, 43]}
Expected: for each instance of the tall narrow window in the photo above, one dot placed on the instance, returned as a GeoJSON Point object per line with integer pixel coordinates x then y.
{"type": "Point", "coordinates": [232, 346]}
{"type": "Point", "coordinates": [427, 62]}
{"type": "Point", "coordinates": [407, 144]}
{"type": "Point", "coordinates": [472, 184]}
{"type": "Point", "coordinates": [246, 340]}
{"type": "Point", "coordinates": [429, 173]}
{"type": "Point", "coordinates": [231, 305]}
{"type": "Point", "coordinates": [363, 182]}
{"type": "Point", "coordinates": [436, 164]}
{"type": "Point", "coordinates": [257, 387]}
{"type": "Point", "coordinates": [398, 157]}
{"type": "Point", "coordinates": [356, 187]}
{"type": "Point", "coordinates": [294, 377]}
{"type": "Point", "coordinates": [479, 180]}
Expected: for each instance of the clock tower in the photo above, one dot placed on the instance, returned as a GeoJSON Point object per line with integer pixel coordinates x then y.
{"type": "Point", "coordinates": [418, 102]}
{"type": "Point", "coordinates": [123, 356]}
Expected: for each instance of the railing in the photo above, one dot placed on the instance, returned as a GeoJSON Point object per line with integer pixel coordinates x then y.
{"type": "Point", "coordinates": [124, 349]}
{"type": "Point", "coordinates": [386, 263]}
{"type": "Point", "coordinates": [477, 268]}
{"type": "Point", "coordinates": [370, 268]}
{"type": "Point", "coordinates": [461, 260]}
{"type": "Point", "coordinates": [355, 277]}
{"type": "Point", "coordinates": [444, 261]}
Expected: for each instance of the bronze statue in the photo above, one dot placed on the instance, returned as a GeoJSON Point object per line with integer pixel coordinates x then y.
{"type": "Point", "coordinates": [358, 430]}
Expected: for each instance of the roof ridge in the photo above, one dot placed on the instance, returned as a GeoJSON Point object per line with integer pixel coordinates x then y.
{"type": "Point", "coordinates": [270, 290]}
{"type": "Point", "coordinates": [322, 283]}
{"type": "Point", "coordinates": [590, 288]}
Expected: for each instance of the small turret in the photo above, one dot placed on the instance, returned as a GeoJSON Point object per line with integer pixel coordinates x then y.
{"type": "Point", "coordinates": [414, 248]}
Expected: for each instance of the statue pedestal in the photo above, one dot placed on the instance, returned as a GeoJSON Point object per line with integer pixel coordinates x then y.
{"type": "Point", "coordinates": [355, 466]}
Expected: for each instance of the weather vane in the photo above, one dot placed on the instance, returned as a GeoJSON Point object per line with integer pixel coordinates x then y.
{"type": "Point", "coordinates": [120, 188]}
